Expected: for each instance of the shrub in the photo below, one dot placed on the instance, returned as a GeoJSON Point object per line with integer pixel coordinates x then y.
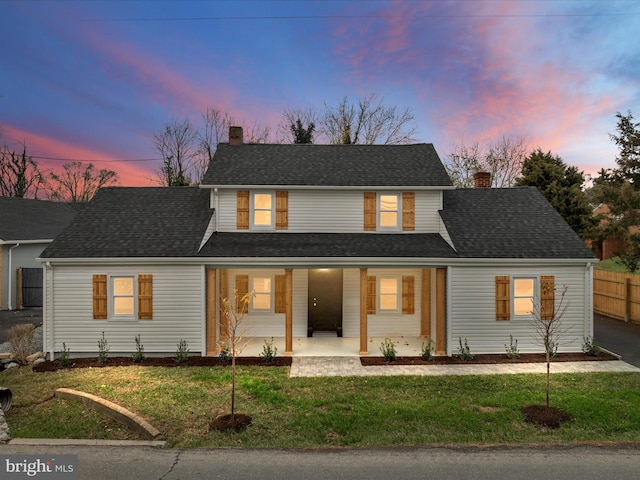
{"type": "Point", "coordinates": [590, 347]}
{"type": "Point", "coordinates": [103, 350]}
{"type": "Point", "coordinates": [427, 350]}
{"type": "Point", "coordinates": [269, 352]}
{"type": "Point", "coordinates": [388, 350]}
{"type": "Point", "coordinates": [138, 355]}
{"type": "Point", "coordinates": [63, 355]}
{"type": "Point", "coordinates": [512, 349]}
{"type": "Point", "coordinates": [225, 352]}
{"type": "Point", "coordinates": [464, 352]}
{"type": "Point", "coordinates": [21, 339]}
{"type": "Point", "coordinates": [182, 353]}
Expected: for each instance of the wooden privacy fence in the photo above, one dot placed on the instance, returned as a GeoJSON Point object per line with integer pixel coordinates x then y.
{"type": "Point", "coordinates": [616, 295]}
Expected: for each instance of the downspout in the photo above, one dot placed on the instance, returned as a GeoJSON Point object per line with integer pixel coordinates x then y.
{"type": "Point", "coordinates": [588, 291]}
{"type": "Point", "coordinates": [9, 305]}
{"type": "Point", "coordinates": [215, 192]}
{"type": "Point", "coordinates": [47, 323]}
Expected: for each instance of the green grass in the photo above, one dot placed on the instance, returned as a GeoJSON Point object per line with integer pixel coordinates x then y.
{"type": "Point", "coordinates": [326, 412]}
{"type": "Point", "coordinates": [611, 265]}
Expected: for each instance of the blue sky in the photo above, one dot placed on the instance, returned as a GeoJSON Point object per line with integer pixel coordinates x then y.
{"type": "Point", "coordinates": [95, 80]}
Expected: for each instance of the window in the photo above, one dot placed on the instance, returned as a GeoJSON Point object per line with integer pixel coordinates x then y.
{"type": "Point", "coordinates": [262, 291]}
{"type": "Point", "coordinates": [523, 295]}
{"type": "Point", "coordinates": [388, 297]}
{"type": "Point", "coordinates": [262, 210]}
{"type": "Point", "coordinates": [123, 297]}
{"type": "Point", "coordinates": [388, 211]}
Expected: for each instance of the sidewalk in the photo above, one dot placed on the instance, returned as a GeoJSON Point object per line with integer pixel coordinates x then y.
{"type": "Point", "coordinates": [351, 367]}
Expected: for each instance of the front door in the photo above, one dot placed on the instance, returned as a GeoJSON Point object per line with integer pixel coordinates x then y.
{"type": "Point", "coordinates": [325, 300]}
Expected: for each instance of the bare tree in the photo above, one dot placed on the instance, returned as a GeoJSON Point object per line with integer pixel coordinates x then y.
{"type": "Point", "coordinates": [547, 325]}
{"type": "Point", "coordinates": [19, 174]}
{"type": "Point", "coordinates": [78, 182]}
{"type": "Point", "coordinates": [290, 116]}
{"type": "Point", "coordinates": [503, 158]}
{"type": "Point", "coordinates": [178, 147]}
{"type": "Point", "coordinates": [215, 130]}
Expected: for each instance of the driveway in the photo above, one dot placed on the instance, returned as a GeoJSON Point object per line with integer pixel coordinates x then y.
{"type": "Point", "coordinates": [618, 337]}
{"type": "Point", "coordinates": [9, 318]}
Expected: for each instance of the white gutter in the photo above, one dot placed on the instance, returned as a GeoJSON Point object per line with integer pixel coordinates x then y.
{"type": "Point", "coordinates": [328, 187]}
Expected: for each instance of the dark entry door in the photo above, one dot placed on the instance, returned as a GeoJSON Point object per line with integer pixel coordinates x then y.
{"type": "Point", "coordinates": [325, 300]}
{"type": "Point", "coordinates": [31, 287]}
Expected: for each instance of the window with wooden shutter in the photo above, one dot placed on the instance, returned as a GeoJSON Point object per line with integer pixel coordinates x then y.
{"type": "Point", "coordinates": [242, 288]}
{"type": "Point", "coordinates": [408, 307]}
{"type": "Point", "coordinates": [99, 297]}
{"type": "Point", "coordinates": [547, 297]}
{"type": "Point", "coordinates": [281, 294]}
{"type": "Point", "coordinates": [145, 297]}
{"type": "Point", "coordinates": [408, 211]}
{"type": "Point", "coordinates": [282, 210]}
{"type": "Point", "coordinates": [503, 299]}
{"type": "Point", "coordinates": [370, 209]}
{"type": "Point", "coordinates": [242, 211]}
{"type": "Point", "coordinates": [371, 295]}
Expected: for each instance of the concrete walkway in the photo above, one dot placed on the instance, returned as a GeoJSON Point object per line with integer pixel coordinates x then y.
{"type": "Point", "coordinates": [351, 367]}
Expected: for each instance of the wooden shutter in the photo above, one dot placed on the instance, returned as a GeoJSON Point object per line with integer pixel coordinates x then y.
{"type": "Point", "coordinates": [242, 288]}
{"type": "Point", "coordinates": [242, 212]}
{"type": "Point", "coordinates": [145, 297]}
{"type": "Point", "coordinates": [370, 211]}
{"type": "Point", "coordinates": [408, 211]}
{"type": "Point", "coordinates": [503, 298]}
{"type": "Point", "coordinates": [282, 210]}
{"type": "Point", "coordinates": [408, 302]}
{"type": "Point", "coordinates": [371, 295]}
{"type": "Point", "coordinates": [281, 294]}
{"type": "Point", "coordinates": [99, 297]}
{"type": "Point", "coordinates": [547, 297]}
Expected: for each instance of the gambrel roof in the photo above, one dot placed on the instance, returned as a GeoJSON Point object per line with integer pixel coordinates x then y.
{"type": "Point", "coordinates": [508, 223]}
{"type": "Point", "coordinates": [29, 219]}
{"type": "Point", "coordinates": [327, 165]}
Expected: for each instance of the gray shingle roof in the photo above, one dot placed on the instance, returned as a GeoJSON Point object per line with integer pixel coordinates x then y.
{"type": "Point", "coordinates": [136, 222]}
{"type": "Point", "coordinates": [28, 219]}
{"type": "Point", "coordinates": [327, 165]}
{"type": "Point", "coordinates": [348, 245]}
{"type": "Point", "coordinates": [508, 223]}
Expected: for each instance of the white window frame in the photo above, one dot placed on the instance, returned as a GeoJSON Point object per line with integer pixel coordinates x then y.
{"type": "Point", "coordinates": [271, 293]}
{"type": "Point", "coordinates": [534, 297]}
{"type": "Point", "coordinates": [379, 211]}
{"type": "Point", "coordinates": [398, 294]}
{"type": "Point", "coordinates": [112, 315]}
{"type": "Point", "coordinates": [253, 209]}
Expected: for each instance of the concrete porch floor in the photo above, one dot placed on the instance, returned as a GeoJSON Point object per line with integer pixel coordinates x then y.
{"type": "Point", "coordinates": [332, 346]}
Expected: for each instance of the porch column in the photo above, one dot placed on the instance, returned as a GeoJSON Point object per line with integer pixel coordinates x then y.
{"type": "Point", "coordinates": [441, 298]}
{"type": "Point", "coordinates": [224, 293]}
{"type": "Point", "coordinates": [363, 311]}
{"type": "Point", "coordinates": [211, 311]}
{"type": "Point", "coordinates": [288, 328]}
{"type": "Point", "coordinates": [425, 304]}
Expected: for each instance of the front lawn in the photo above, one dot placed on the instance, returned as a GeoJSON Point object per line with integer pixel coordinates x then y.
{"type": "Point", "coordinates": [326, 412]}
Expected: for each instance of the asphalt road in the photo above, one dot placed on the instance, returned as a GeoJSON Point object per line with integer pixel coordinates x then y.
{"type": "Point", "coordinates": [513, 463]}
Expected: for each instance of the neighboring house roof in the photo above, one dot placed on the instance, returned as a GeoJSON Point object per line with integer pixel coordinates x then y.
{"type": "Point", "coordinates": [136, 222]}
{"type": "Point", "coordinates": [29, 219]}
{"type": "Point", "coordinates": [508, 223]}
{"type": "Point", "coordinates": [327, 165]}
{"type": "Point", "coordinates": [338, 245]}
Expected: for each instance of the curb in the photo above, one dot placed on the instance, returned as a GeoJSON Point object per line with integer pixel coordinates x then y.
{"type": "Point", "coordinates": [116, 412]}
{"type": "Point", "coordinates": [86, 442]}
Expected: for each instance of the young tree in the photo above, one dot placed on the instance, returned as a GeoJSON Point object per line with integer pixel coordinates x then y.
{"type": "Point", "coordinates": [78, 182]}
{"type": "Point", "coordinates": [561, 185]}
{"type": "Point", "coordinates": [19, 174]}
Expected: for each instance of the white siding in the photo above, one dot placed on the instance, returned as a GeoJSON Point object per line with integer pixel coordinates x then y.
{"type": "Point", "coordinates": [472, 309]}
{"type": "Point", "coordinates": [332, 211]}
{"type": "Point", "coordinates": [177, 311]}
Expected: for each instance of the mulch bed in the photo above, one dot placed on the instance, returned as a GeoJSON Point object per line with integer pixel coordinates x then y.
{"type": "Point", "coordinates": [489, 359]}
{"type": "Point", "coordinates": [50, 366]}
{"type": "Point", "coordinates": [544, 416]}
{"type": "Point", "coordinates": [236, 422]}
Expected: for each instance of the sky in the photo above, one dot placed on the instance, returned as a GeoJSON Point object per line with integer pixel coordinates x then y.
{"type": "Point", "coordinates": [93, 81]}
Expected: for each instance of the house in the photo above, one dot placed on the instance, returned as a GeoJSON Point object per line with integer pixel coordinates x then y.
{"type": "Point", "coordinates": [354, 241]}
{"type": "Point", "coordinates": [27, 226]}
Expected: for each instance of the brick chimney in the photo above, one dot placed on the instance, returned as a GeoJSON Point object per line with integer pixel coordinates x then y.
{"type": "Point", "coordinates": [482, 180]}
{"type": "Point", "coordinates": [235, 136]}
